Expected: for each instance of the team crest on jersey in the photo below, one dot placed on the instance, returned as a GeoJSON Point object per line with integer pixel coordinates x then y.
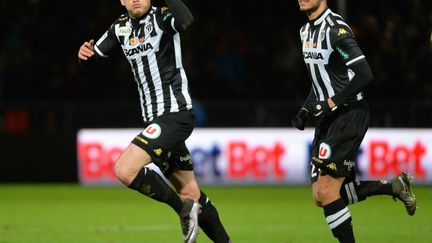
{"type": "Point", "coordinates": [324, 151]}
{"type": "Point", "coordinates": [124, 31]}
{"type": "Point", "coordinates": [153, 131]}
{"type": "Point", "coordinates": [322, 35]}
{"type": "Point", "coordinates": [148, 28]}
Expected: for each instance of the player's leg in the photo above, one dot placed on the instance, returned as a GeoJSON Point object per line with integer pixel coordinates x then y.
{"type": "Point", "coordinates": [154, 144]}
{"type": "Point", "coordinates": [326, 193]}
{"type": "Point", "coordinates": [179, 170]}
{"type": "Point", "coordinates": [399, 187]}
{"type": "Point", "coordinates": [208, 219]}
{"type": "Point", "coordinates": [336, 142]}
{"type": "Point", "coordinates": [130, 170]}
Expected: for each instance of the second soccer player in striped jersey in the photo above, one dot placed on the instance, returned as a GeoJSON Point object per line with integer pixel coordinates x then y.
{"type": "Point", "coordinates": [339, 73]}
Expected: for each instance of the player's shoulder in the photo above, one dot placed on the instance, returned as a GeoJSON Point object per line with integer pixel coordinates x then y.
{"type": "Point", "coordinates": [338, 27]}
{"type": "Point", "coordinates": [303, 30]}
{"type": "Point", "coordinates": [162, 12]}
{"type": "Point", "coordinates": [122, 19]}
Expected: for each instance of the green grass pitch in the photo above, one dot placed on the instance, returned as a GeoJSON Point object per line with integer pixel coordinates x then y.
{"type": "Point", "coordinates": [283, 214]}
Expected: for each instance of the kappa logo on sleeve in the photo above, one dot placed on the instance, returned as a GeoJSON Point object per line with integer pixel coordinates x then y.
{"type": "Point", "coordinates": [153, 131]}
{"type": "Point", "coordinates": [324, 151]}
{"type": "Point", "coordinates": [342, 31]}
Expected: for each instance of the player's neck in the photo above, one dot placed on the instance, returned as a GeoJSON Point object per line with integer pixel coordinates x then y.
{"type": "Point", "coordinates": [314, 13]}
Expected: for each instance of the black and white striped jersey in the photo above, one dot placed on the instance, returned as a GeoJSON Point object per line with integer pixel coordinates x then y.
{"type": "Point", "coordinates": [329, 49]}
{"type": "Point", "coordinates": [151, 44]}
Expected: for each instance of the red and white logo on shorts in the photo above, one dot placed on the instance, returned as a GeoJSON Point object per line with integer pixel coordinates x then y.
{"type": "Point", "coordinates": [324, 151]}
{"type": "Point", "coordinates": [152, 131]}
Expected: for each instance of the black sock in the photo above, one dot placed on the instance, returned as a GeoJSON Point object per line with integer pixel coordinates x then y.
{"type": "Point", "coordinates": [209, 221]}
{"type": "Point", "coordinates": [152, 185]}
{"type": "Point", "coordinates": [338, 218]}
{"type": "Point", "coordinates": [357, 191]}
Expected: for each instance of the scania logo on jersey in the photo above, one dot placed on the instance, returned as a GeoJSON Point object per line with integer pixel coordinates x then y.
{"type": "Point", "coordinates": [312, 55]}
{"type": "Point", "coordinates": [140, 48]}
{"type": "Point", "coordinates": [152, 131]}
{"type": "Point", "coordinates": [324, 151]}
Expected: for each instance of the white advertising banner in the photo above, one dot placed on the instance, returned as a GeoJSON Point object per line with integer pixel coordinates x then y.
{"type": "Point", "coordinates": [263, 156]}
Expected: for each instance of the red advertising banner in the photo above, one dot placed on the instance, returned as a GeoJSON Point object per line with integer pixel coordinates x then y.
{"type": "Point", "coordinates": [263, 156]}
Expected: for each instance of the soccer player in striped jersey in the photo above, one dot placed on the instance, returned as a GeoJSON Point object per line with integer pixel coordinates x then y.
{"type": "Point", "coordinates": [149, 37]}
{"type": "Point", "coordinates": [339, 73]}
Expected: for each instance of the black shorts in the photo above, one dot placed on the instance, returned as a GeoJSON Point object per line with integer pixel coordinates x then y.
{"type": "Point", "coordinates": [337, 140]}
{"type": "Point", "coordinates": [164, 140]}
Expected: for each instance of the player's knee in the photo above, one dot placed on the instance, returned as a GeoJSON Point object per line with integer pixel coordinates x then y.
{"type": "Point", "coordinates": [190, 193]}
{"type": "Point", "coordinates": [125, 174]}
{"type": "Point", "coordinates": [316, 199]}
{"type": "Point", "coordinates": [326, 195]}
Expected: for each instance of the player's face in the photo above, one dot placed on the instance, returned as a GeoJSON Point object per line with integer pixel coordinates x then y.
{"type": "Point", "coordinates": [136, 8]}
{"type": "Point", "coordinates": [309, 5]}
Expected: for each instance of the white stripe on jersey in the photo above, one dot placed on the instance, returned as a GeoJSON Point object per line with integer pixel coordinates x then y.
{"type": "Point", "coordinates": [318, 21]}
{"type": "Point", "coordinates": [179, 64]}
{"type": "Point", "coordinates": [324, 75]}
{"type": "Point", "coordinates": [95, 47]}
{"type": "Point", "coordinates": [343, 23]}
{"type": "Point", "coordinates": [99, 52]}
{"type": "Point", "coordinates": [174, 106]}
{"type": "Point", "coordinates": [173, 24]}
{"type": "Point", "coordinates": [320, 95]}
{"type": "Point", "coordinates": [145, 90]}
{"type": "Point", "coordinates": [326, 79]}
{"type": "Point", "coordinates": [355, 60]}
{"type": "Point", "coordinates": [157, 81]}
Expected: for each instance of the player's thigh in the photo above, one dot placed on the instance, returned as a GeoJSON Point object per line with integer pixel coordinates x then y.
{"type": "Point", "coordinates": [327, 188]}
{"type": "Point", "coordinates": [130, 162]}
{"type": "Point", "coordinates": [185, 184]}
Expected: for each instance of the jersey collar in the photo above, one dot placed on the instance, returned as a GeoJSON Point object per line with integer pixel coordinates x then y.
{"type": "Point", "coordinates": [318, 20]}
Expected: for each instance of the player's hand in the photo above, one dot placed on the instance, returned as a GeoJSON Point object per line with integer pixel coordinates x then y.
{"type": "Point", "coordinates": [86, 50]}
{"type": "Point", "coordinates": [299, 121]}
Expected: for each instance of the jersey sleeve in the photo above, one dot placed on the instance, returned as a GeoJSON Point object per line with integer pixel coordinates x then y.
{"type": "Point", "coordinates": [106, 43]}
{"type": "Point", "coordinates": [348, 50]}
{"type": "Point", "coordinates": [166, 21]}
{"type": "Point", "coordinates": [345, 45]}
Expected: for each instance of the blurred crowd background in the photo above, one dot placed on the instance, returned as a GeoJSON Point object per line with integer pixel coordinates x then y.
{"type": "Point", "coordinates": [243, 61]}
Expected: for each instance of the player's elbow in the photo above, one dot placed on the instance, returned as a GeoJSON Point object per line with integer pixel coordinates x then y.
{"type": "Point", "coordinates": [368, 75]}
{"type": "Point", "coordinates": [186, 23]}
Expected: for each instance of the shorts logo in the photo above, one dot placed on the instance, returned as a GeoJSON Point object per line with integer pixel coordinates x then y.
{"type": "Point", "coordinates": [158, 151]}
{"type": "Point", "coordinates": [332, 166]}
{"type": "Point", "coordinates": [324, 151]}
{"type": "Point", "coordinates": [186, 158]}
{"type": "Point", "coordinates": [153, 131]}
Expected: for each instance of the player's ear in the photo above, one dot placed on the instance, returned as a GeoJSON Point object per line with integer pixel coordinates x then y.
{"type": "Point", "coordinates": [122, 2]}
